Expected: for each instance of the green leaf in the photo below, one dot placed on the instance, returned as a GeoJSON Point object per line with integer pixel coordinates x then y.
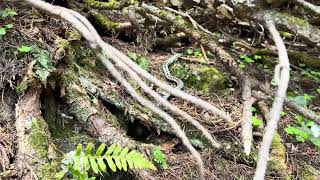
{"type": "Point", "coordinates": [300, 139]}
{"type": "Point", "coordinates": [124, 164]}
{"type": "Point", "coordinates": [79, 149]}
{"type": "Point", "coordinates": [242, 65]}
{"type": "Point", "coordinates": [189, 51]}
{"type": "Point", "coordinates": [8, 12]}
{"type": "Point", "coordinates": [8, 26]}
{"type": "Point", "coordinates": [307, 97]}
{"type": "Point", "coordinates": [253, 109]}
{"type": "Point", "coordinates": [89, 148]}
{"type": "Point", "coordinates": [2, 31]}
{"type": "Point", "coordinates": [86, 162]}
{"type": "Point", "coordinates": [198, 54]}
{"type": "Point", "coordinates": [124, 152]}
{"type": "Point", "coordinates": [130, 163]}
{"type": "Point", "coordinates": [257, 57]}
{"type": "Point", "coordinates": [110, 149]}
{"type": "Point", "coordinates": [117, 150]}
{"type": "Point", "coordinates": [24, 49]}
{"type": "Point", "coordinates": [118, 162]}
{"type": "Point", "coordinates": [42, 57]}
{"type": "Point", "coordinates": [300, 119]}
{"type": "Point", "coordinates": [318, 90]}
{"type": "Point", "coordinates": [159, 157]}
{"type": "Point", "coordinates": [101, 164]}
{"type": "Point", "coordinates": [43, 75]}
{"type": "Point", "coordinates": [94, 165]}
{"type": "Point", "coordinates": [315, 141]}
{"type": "Point", "coordinates": [133, 56]}
{"type": "Point", "coordinates": [256, 121]}
{"type": "Point", "coordinates": [300, 100]}
{"type": "Point", "coordinates": [60, 175]}
{"type": "Point", "coordinates": [246, 58]}
{"type": "Point", "coordinates": [111, 164]}
{"type": "Point", "coordinates": [273, 82]}
{"type": "Point", "coordinates": [100, 149]}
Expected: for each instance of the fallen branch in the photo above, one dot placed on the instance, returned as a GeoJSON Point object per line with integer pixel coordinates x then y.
{"type": "Point", "coordinates": [308, 5]}
{"type": "Point", "coordinates": [246, 125]}
{"type": "Point", "coordinates": [282, 76]}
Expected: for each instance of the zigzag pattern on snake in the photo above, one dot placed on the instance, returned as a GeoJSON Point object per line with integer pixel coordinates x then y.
{"type": "Point", "coordinates": [167, 74]}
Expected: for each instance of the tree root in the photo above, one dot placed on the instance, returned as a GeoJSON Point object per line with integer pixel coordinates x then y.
{"type": "Point", "coordinates": [35, 157]}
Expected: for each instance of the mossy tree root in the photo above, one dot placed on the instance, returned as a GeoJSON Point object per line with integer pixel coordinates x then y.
{"type": "Point", "coordinates": [34, 141]}
{"type": "Point", "coordinates": [100, 124]}
{"type": "Point", "coordinates": [107, 24]}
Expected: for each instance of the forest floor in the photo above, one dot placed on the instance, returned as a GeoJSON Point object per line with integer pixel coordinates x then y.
{"type": "Point", "coordinates": [202, 76]}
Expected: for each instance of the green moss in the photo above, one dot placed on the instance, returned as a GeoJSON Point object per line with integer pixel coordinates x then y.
{"type": "Point", "coordinates": [200, 77]}
{"type": "Point", "coordinates": [291, 19]}
{"type": "Point", "coordinates": [48, 170]}
{"type": "Point", "coordinates": [277, 162]}
{"type": "Point", "coordinates": [110, 5]}
{"type": "Point", "coordinates": [103, 21]}
{"type": "Point", "coordinates": [309, 172]}
{"type": "Point", "coordinates": [113, 4]}
{"type": "Point", "coordinates": [39, 136]}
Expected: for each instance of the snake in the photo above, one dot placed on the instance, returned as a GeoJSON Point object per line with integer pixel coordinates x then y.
{"type": "Point", "coordinates": [165, 68]}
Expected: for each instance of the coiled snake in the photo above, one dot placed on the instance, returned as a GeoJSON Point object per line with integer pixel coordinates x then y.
{"type": "Point", "coordinates": [169, 77]}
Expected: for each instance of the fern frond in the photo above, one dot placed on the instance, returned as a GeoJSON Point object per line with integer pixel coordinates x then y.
{"type": "Point", "coordinates": [115, 157]}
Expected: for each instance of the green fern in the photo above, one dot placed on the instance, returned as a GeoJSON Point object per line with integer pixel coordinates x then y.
{"type": "Point", "coordinates": [79, 162]}
{"type": "Point", "coordinates": [159, 157]}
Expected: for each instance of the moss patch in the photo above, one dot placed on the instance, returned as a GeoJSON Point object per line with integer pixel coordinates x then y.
{"type": "Point", "coordinates": [39, 136]}
{"type": "Point", "coordinates": [277, 161]}
{"type": "Point", "coordinates": [310, 173]}
{"type": "Point", "coordinates": [200, 77]}
{"type": "Point", "coordinates": [48, 170]}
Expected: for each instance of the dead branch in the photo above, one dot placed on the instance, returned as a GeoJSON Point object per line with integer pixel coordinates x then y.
{"type": "Point", "coordinates": [303, 111]}
{"type": "Point", "coordinates": [246, 125]}
{"type": "Point", "coordinates": [282, 71]}
{"type": "Point", "coordinates": [308, 5]}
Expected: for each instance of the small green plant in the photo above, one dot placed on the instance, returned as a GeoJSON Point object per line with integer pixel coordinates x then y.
{"type": "Point", "coordinates": [304, 130]}
{"type": "Point", "coordinates": [256, 122]}
{"type": "Point", "coordinates": [4, 14]}
{"type": "Point", "coordinates": [77, 164]}
{"type": "Point", "coordinates": [248, 60]}
{"type": "Point", "coordinates": [24, 49]}
{"type": "Point", "coordinates": [286, 35]}
{"type": "Point", "coordinates": [142, 61]}
{"type": "Point", "coordinates": [2, 31]}
{"type": "Point", "coordinates": [8, 12]}
{"type": "Point", "coordinates": [43, 66]}
{"type": "Point", "coordinates": [159, 157]}
{"type": "Point", "coordinates": [301, 100]}
{"type": "Point", "coordinates": [194, 52]}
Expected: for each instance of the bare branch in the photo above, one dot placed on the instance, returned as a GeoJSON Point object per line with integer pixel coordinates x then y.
{"type": "Point", "coordinates": [283, 70]}
{"type": "Point", "coordinates": [308, 5]}
{"type": "Point", "coordinates": [246, 124]}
